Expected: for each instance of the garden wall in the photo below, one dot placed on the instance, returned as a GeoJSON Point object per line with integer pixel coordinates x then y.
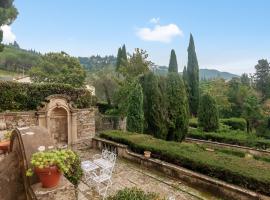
{"type": "Point", "coordinates": [11, 120]}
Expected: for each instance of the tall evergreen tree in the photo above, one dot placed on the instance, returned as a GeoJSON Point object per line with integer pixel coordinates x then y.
{"type": "Point", "coordinates": [135, 117]}
{"type": "Point", "coordinates": [124, 53]}
{"type": "Point", "coordinates": [208, 113]}
{"type": "Point", "coordinates": [178, 111]}
{"type": "Point", "coordinates": [154, 107]}
{"type": "Point", "coordinates": [262, 77]}
{"type": "Point", "coordinates": [173, 67]}
{"type": "Point", "coordinates": [118, 59]}
{"type": "Point", "coordinates": [193, 77]}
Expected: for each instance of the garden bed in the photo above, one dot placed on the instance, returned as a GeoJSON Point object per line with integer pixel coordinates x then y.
{"type": "Point", "coordinates": [249, 173]}
{"type": "Point", "coordinates": [235, 137]}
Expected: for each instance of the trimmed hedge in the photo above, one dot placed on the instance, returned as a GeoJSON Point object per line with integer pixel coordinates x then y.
{"type": "Point", "coordinates": [235, 123]}
{"type": "Point", "coordinates": [193, 122]}
{"type": "Point", "coordinates": [248, 173]}
{"type": "Point", "coordinates": [27, 96]}
{"type": "Point", "coordinates": [133, 194]}
{"type": "Point", "coordinates": [235, 137]}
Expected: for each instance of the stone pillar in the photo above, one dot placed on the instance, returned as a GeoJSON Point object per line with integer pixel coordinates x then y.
{"type": "Point", "coordinates": [74, 130]}
{"type": "Point", "coordinates": [42, 120]}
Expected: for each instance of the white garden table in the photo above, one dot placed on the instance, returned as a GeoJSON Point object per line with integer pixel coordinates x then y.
{"type": "Point", "coordinates": [88, 167]}
{"type": "Point", "coordinates": [104, 164]}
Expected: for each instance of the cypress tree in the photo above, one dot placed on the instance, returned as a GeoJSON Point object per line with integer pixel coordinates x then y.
{"type": "Point", "coordinates": [193, 77]}
{"type": "Point", "coordinates": [208, 113]}
{"type": "Point", "coordinates": [118, 59]}
{"type": "Point", "coordinates": [124, 53]}
{"type": "Point", "coordinates": [135, 117]}
{"type": "Point", "coordinates": [154, 107]}
{"type": "Point", "coordinates": [178, 111]}
{"type": "Point", "coordinates": [173, 67]}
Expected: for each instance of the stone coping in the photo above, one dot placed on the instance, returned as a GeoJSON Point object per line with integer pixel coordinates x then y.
{"type": "Point", "coordinates": [220, 187]}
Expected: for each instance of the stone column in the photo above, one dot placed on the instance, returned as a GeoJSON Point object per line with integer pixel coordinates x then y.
{"type": "Point", "coordinates": [74, 132]}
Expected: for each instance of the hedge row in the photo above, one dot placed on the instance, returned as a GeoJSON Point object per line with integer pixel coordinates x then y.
{"type": "Point", "coordinates": [233, 123]}
{"type": "Point", "coordinates": [235, 137]}
{"type": "Point", "coordinates": [16, 96]}
{"type": "Point", "coordinates": [248, 173]}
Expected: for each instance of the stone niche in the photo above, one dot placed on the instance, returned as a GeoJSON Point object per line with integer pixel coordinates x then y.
{"type": "Point", "coordinates": [66, 124]}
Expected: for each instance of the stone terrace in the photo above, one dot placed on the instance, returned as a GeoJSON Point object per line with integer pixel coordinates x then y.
{"type": "Point", "coordinates": [127, 174]}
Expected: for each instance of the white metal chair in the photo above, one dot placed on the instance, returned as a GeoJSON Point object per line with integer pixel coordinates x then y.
{"type": "Point", "coordinates": [102, 181]}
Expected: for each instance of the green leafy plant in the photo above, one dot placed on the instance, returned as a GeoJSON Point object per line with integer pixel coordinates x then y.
{"type": "Point", "coordinates": [63, 159]}
{"type": "Point", "coordinates": [75, 172]}
{"type": "Point", "coordinates": [132, 194]}
{"type": "Point", "coordinates": [7, 135]}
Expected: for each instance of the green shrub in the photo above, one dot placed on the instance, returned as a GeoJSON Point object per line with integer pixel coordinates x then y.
{"type": "Point", "coordinates": [235, 137]}
{"type": "Point", "coordinates": [248, 173]}
{"type": "Point", "coordinates": [235, 123]}
{"type": "Point", "coordinates": [24, 96]}
{"type": "Point", "coordinates": [133, 194]}
{"type": "Point", "coordinates": [193, 122]}
{"type": "Point", "coordinates": [263, 129]}
{"type": "Point", "coordinates": [75, 172]}
{"type": "Point", "coordinates": [208, 113]}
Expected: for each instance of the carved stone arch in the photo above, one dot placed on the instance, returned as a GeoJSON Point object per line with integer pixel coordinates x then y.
{"type": "Point", "coordinates": [59, 116]}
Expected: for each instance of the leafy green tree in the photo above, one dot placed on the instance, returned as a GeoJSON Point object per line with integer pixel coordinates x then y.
{"type": "Point", "coordinates": [178, 111]}
{"type": "Point", "coordinates": [59, 68]}
{"type": "Point", "coordinates": [173, 67]}
{"type": "Point", "coordinates": [218, 89]}
{"type": "Point", "coordinates": [208, 113]}
{"type": "Point", "coordinates": [8, 13]}
{"type": "Point", "coordinates": [262, 78]}
{"type": "Point", "coordinates": [155, 110]}
{"type": "Point", "coordinates": [245, 80]}
{"type": "Point", "coordinates": [135, 117]}
{"type": "Point", "coordinates": [136, 65]}
{"type": "Point", "coordinates": [193, 77]}
{"type": "Point", "coordinates": [251, 111]}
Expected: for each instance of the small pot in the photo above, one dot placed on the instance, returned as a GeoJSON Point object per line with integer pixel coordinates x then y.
{"type": "Point", "coordinates": [147, 154]}
{"type": "Point", "coordinates": [49, 176]}
{"type": "Point", "coordinates": [4, 145]}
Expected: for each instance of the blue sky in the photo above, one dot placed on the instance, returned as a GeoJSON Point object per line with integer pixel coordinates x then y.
{"type": "Point", "coordinates": [230, 35]}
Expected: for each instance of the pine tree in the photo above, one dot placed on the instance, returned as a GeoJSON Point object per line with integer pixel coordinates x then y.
{"type": "Point", "coordinates": [208, 113]}
{"type": "Point", "coordinates": [193, 77]}
{"type": "Point", "coordinates": [135, 117]}
{"type": "Point", "coordinates": [178, 111]}
{"type": "Point", "coordinates": [173, 67]}
{"type": "Point", "coordinates": [118, 59]}
{"type": "Point", "coordinates": [154, 107]}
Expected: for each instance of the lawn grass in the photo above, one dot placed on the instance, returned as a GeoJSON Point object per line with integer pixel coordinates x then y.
{"type": "Point", "coordinates": [249, 173]}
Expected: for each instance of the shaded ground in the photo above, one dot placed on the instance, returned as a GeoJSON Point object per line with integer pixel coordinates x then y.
{"type": "Point", "coordinates": [127, 174]}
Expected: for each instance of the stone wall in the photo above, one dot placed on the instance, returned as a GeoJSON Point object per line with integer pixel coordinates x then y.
{"type": "Point", "coordinates": [105, 122]}
{"type": "Point", "coordinates": [11, 120]}
{"type": "Point", "coordinates": [85, 123]}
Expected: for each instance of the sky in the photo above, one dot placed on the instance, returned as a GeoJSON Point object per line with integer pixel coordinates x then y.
{"type": "Point", "coordinates": [229, 35]}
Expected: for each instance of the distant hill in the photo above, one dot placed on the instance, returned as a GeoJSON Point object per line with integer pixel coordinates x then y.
{"type": "Point", "coordinates": [204, 73]}
{"type": "Point", "coordinates": [213, 73]}
{"type": "Point", "coordinates": [97, 62]}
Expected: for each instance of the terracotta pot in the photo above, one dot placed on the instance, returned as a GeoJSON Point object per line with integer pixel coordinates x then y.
{"type": "Point", "coordinates": [4, 145]}
{"type": "Point", "coordinates": [147, 154]}
{"type": "Point", "coordinates": [49, 177]}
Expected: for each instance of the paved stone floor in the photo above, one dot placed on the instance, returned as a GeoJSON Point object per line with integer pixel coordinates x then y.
{"type": "Point", "coordinates": [127, 174]}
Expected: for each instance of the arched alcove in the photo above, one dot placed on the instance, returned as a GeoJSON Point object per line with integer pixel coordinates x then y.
{"type": "Point", "coordinates": [60, 118]}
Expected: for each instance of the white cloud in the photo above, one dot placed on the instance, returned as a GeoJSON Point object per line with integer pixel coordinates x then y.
{"type": "Point", "coordinates": [154, 20]}
{"type": "Point", "coordinates": [8, 36]}
{"type": "Point", "coordinates": [160, 33]}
